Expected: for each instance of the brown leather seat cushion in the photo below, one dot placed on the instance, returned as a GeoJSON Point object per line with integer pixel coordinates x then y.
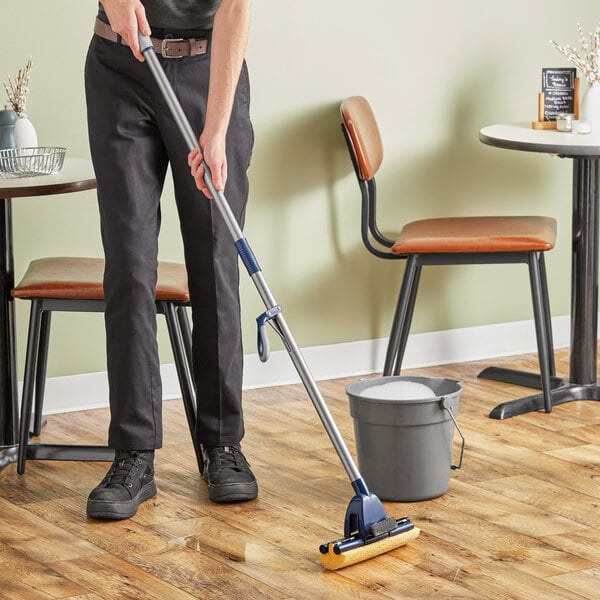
{"type": "Point", "coordinates": [477, 234]}
{"type": "Point", "coordinates": [80, 278]}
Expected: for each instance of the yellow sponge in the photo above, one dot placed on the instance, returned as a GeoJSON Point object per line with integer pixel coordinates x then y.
{"type": "Point", "coordinates": [333, 561]}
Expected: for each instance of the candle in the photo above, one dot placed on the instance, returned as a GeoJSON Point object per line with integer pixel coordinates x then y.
{"type": "Point", "coordinates": [564, 121]}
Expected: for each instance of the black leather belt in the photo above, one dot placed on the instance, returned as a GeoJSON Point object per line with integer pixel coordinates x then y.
{"type": "Point", "coordinates": [168, 48]}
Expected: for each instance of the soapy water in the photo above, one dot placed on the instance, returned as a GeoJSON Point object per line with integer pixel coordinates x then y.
{"type": "Point", "coordinates": [398, 390]}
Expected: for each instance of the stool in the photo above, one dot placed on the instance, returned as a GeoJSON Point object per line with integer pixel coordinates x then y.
{"type": "Point", "coordinates": [74, 284]}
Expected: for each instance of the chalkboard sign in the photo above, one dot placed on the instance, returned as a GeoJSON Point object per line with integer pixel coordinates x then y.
{"type": "Point", "coordinates": [558, 87]}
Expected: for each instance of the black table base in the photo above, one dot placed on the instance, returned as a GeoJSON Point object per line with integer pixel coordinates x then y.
{"type": "Point", "coordinates": [9, 454]}
{"type": "Point", "coordinates": [562, 391]}
{"type": "Point", "coordinates": [69, 452]}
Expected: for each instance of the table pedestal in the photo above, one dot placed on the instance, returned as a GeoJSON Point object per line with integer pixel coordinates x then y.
{"type": "Point", "coordinates": [582, 383]}
{"type": "Point", "coordinates": [8, 375]}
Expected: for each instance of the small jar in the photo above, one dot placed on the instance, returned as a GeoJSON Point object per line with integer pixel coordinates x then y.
{"type": "Point", "coordinates": [581, 127]}
{"type": "Point", "coordinates": [564, 121]}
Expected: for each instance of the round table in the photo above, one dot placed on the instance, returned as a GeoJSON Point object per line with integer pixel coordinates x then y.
{"type": "Point", "coordinates": [584, 150]}
{"type": "Point", "coordinates": [76, 175]}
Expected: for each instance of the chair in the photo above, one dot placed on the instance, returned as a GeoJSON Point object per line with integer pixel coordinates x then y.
{"type": "Point", "coordinates": [447, 241]}
{"type": "Point", "coordinates": [74, 284]}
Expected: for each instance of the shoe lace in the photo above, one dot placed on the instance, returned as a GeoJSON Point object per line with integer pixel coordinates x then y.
{"type": "Point", "coordinates": [125, 467]}
{"type": "Point", "coordinates": [231, 457]}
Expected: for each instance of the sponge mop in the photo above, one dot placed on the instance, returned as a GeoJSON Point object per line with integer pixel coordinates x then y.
{"type": "Point", "coordinates": [368, 531]}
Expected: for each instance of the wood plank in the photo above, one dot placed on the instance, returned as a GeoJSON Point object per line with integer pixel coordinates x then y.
{"type": "Point", "coordinates": [587, 455]}
{"type": "Point", "coordinates": [584, 583]}
{"type": "Point", "coordinates": [579, 543]}
{"type": "Point", "coordinates": [114, 579]}
{"type": "Point", "coordinates": [548, 497]}
{"type": "Point", "coordinates": [24, 578]}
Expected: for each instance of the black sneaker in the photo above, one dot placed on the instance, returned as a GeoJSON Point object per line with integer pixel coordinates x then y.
{"type": "Point", "coordinates": [129, 481]}
{"type": "Point", "coordinates": [228, 474]}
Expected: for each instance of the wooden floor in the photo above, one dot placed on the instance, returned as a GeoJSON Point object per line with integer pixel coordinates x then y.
{"type": "Point", "coordinates": [521, 518]}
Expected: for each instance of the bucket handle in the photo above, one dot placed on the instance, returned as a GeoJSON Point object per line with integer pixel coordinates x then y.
{"type": "Point", "coordinates": [446, 404]}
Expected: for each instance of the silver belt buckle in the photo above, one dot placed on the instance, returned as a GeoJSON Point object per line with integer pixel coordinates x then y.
{"type": "Point", "coordinates": [164, 49]}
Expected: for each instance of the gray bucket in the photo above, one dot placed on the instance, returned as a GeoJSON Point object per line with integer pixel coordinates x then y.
{"type": "Point", "coordinates": [404, 445]}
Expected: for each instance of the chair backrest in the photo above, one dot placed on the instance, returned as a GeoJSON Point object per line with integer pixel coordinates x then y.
{"type": "Point", "coordinates": [366, 150]}
{"type": "Point", "coordinates": [362, 134]}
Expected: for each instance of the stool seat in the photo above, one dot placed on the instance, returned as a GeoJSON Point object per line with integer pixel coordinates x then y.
{"type": "Point", "coordinates": [80, 278]}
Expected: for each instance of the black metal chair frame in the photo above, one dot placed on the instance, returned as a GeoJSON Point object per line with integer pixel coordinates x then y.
{"type": "Point", "coordinates": [408, 292]}
{"type": "Point", "coordinates": [35, 377]}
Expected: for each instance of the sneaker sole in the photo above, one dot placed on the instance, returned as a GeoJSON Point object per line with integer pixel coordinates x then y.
{"type": "Point", "coordinates": [100, 509]}
{"type": "Point", "coordinates": [233, 492]}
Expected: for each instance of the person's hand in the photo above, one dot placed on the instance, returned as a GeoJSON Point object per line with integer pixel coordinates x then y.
{"type": "Point", "coordinates": [214, 157]}
{"type": "Point", "coordinates": [126, 17]}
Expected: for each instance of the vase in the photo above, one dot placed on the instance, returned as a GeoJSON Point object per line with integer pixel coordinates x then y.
{"type": "Point", "coordinates": [589, 108]}
{"type": "Point", "coordinates": [25, 135]}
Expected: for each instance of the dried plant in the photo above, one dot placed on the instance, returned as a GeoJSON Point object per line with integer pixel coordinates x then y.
{"type": "Point", "coordinates": [17, 90]}
{"type": "Point", "coordinates": [587, 59]}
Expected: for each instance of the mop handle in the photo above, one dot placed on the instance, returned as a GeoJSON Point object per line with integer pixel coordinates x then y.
{"type": "Point", "coordinates": [251, 264]}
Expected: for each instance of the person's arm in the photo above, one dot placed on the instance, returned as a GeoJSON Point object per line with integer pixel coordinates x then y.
{"type": "Point", "coordinates": [229, 40]}
{"type": "Point", "coordinates": [126, 17]}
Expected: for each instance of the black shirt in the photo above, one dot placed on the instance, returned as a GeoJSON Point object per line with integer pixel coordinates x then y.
{"type": "Point", "coordinates": [177, 15]}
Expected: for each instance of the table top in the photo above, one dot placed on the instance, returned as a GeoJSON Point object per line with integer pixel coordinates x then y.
{"type": "Point", "coordinates": [77, 174]}
{"type": "Point", "coordinates": [521, 136]}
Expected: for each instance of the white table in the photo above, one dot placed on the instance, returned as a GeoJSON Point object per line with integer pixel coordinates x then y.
{"type": "Point", "coordinates": [584, 150]}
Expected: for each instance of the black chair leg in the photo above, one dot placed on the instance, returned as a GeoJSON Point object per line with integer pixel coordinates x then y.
{"type": "Point", "coordinates": [40, 372]}
{"type": "Point", "coordinates": [407, 323]}
{"type": "Point", "coordinates": [541, 331]}
{"type": "Point", "coordinates": [33, 338]}
{"type": "Point", "coordinates": [401, 317]}
{"type": "Point", "coordinates": [183, 374]}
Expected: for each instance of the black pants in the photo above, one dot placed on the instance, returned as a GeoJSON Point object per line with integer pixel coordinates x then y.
{"type": "Point", "coordinates": [133, 138]}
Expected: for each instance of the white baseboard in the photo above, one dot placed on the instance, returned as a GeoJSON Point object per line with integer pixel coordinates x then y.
{"type": "Point", "coordinates": [90, 390]}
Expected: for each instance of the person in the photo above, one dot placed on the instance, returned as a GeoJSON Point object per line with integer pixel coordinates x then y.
{"type": "Point", "coordinates": [133, 138]}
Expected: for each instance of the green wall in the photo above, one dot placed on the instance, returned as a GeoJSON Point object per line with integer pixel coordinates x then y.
{"type": "Point", "coordinates": [433, 77]}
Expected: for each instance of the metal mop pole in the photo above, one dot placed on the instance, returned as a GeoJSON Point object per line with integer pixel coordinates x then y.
{"type": "Point", "coordinates": [273, 312]}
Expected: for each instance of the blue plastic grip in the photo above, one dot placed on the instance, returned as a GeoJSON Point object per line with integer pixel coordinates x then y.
{"type": "Point", "coordinates": [247, 256]}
